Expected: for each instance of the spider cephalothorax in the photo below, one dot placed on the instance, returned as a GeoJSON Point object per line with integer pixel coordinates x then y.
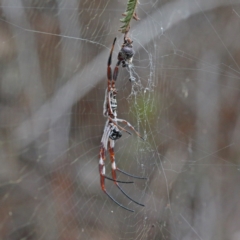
{"type": "Point", "coordinates": [115, 132]}
{"type": "Point", "coordinates": [112, 132]}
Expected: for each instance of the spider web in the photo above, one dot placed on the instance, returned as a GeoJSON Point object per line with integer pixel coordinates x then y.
{"type": "Point", "coordinates": [184, 101]}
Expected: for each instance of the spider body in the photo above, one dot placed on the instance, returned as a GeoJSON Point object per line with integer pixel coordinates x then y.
{"type": "Point", "coordinates": [112, 132]}
{"type": "Point", "coordinates": [115, 134]}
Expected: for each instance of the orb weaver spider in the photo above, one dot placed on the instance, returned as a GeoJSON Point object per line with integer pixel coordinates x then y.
{"type": "Point", "coordinates": [112, 132]}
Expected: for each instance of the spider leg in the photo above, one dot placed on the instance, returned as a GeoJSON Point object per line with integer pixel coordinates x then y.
{"type": "Point", "coordinates": [130, 175]}
{"type": "Point", "coordinates": [123, 129]}
{"type": "Point", "coordinates": [115, 73]}
{"type": "Point", "coordinates": [115, 122]}
{"type": "Point", "coordinates": [104, 142]}
{"type": "Point", "coordinates": [102, 178]}
{"type": "Point", "coordinates": [109, 76]}
{"type": "Point", "coordinates": [119, 204]}
{"type": "Point", "coordinates": [129, 125]}
{"type": "Point", "coordinates": [109, 69]}
{"type": "Point", "coordinates": [102, 158]}
{"type": "Point", "coordinates": [114, 175]}
{"type": "Point", "coordinates": [116, 180]}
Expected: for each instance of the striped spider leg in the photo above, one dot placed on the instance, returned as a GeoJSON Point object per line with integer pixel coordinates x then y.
{"type": "Point", "coordinates": [112, 132]}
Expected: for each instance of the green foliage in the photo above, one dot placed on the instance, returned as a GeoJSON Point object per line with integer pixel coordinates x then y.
{"type": "Point", "coordinates": [128, 15]}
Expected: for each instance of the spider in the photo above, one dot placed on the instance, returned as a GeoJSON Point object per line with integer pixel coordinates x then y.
{"type": "Point", "coordinates": [112, 132]}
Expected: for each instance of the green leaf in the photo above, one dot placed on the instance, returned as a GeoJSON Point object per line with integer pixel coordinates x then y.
{"type": "Point", "coordinates": [128, 15]}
